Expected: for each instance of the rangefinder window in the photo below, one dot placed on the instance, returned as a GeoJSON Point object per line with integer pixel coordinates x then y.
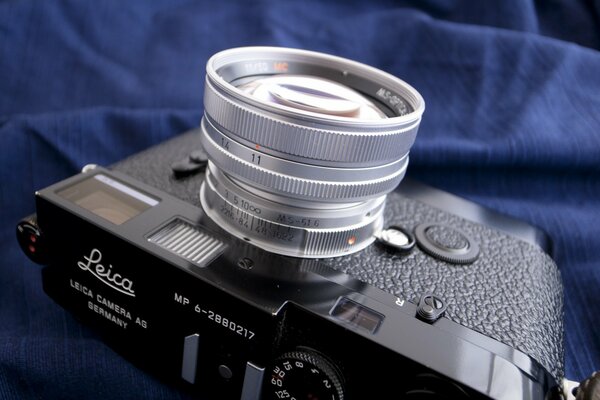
{"type": "Point", "coordinates": [108, 198]}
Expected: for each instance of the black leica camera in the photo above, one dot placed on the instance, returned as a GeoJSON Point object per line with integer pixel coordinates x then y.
{"type": "Point", "coordinates": [276, 252]}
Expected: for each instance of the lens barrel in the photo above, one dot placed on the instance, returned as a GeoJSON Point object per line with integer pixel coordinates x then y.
{"type": "Point", "coordinates": [303, 148]}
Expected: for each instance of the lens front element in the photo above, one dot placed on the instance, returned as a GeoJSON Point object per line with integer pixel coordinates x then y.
{"type": "Point", "coordinates": [313, 94]}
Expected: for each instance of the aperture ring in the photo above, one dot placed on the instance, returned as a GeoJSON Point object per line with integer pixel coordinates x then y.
{"type": "Point", "coordinates": [301, 188]}
{"type": "Point", "coordinates": [363, 147]}
{"type": "Point", "coordinates": [285, 166]}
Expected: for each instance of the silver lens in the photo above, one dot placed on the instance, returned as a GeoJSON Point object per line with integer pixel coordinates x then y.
{"type": "Point", "coordinates": [303, 148]}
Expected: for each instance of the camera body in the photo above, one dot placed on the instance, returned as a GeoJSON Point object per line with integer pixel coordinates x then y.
{"type": "Point", "coordinates": [130, 252]}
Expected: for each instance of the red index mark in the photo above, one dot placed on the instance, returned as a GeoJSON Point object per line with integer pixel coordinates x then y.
{"type": "Point", "coordinates": [280, 66]}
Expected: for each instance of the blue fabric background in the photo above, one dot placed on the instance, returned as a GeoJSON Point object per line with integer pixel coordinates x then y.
{"type": "Point", "coordinates": [512, 121]}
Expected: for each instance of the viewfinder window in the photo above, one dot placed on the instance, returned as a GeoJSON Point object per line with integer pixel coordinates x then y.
{"type": "Point", "coordinates": [112, 200]}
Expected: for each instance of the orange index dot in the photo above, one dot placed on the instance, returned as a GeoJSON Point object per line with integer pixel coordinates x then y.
{"type": "Point", "coordinates": [257, 146]}
{"type": "Point", "coordinates": [352, 240]}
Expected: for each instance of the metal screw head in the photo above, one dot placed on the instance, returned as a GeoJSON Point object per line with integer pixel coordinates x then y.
{"type": "Point", "coordinates": [245, 263]}
{"type": "Point", "coordinates": [225, 372]}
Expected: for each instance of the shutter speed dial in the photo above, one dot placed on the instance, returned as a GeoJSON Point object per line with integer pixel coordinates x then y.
{"type": "Point", "coordinates": [305, 374]}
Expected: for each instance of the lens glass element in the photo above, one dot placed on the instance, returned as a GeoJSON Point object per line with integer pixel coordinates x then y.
{"type": "Point", "coordinates": [313, 94]}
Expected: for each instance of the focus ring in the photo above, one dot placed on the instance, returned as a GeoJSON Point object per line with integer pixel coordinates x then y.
{"type": "Point", "coordinates": [302, 188]}
{"type": "Point", "coordinates": [297, 242]}
{"type": "Point", "coordinates": [309, 142]}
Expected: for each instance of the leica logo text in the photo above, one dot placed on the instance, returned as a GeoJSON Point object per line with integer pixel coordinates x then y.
{"type": "Point", "coordinates": [106, 275]}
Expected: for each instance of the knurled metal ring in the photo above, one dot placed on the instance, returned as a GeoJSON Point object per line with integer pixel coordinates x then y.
{"type": "Point", "coordinates": [465, 253]}
{"type": "Point", "coordinates": [284, 239]}
{"type": "Point", "coordinates": [284, 165]}
{"type": "Point", "coordinates": [302, 188]}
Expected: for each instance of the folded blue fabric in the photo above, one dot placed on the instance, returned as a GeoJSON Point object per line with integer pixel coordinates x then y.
{"type": "Point", "coordinates": [512, 121]}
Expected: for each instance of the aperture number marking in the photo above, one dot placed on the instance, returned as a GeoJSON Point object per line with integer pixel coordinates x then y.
{"type": "Point", "coordinates": [225, 143]}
